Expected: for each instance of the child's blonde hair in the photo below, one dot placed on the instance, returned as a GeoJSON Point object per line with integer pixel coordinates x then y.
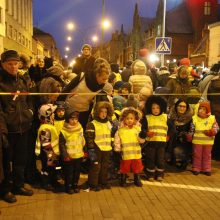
{"type": "Point", "coordinates": [130, 110]}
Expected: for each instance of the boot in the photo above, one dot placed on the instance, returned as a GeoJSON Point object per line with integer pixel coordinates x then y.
{"type": "Point", "coordinates": [123, 178]}
{"type": "Point", "coordinates": [137, 180]}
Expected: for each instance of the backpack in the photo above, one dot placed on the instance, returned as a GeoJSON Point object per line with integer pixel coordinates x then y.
{"type": "Point", "coordinates": [193, 95]}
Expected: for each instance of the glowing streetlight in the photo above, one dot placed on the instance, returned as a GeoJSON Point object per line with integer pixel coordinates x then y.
{"type": "Point", "coordinates": [67, 48]}
{"type": "Point", "coordinates": [70, 26]}
{"type": "Point", "coordinates": [94, 38]}
{"type": "Point", "coordinates": [69, 38]}
{"type": "Point", "coordinates": [106, 24]}
{"type": "Point", "coordinates": [66, 56]}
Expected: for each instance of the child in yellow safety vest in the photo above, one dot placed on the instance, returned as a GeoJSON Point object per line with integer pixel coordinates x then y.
{"type": "Point", "coordinates": [71, 143]}
{"type": "Point", "coordinates": [59, 117]}
{"type": "Point", "coordinates": [47, 147]}
{"type": "Point", "coordinates": [203, 129]}
{"type": "Point", "coordinates": [155, 128]}
{"type": "Point", "coordinates": [127, 142]}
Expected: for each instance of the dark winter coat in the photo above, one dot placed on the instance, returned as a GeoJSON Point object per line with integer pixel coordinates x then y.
{"type": "Point", "coordinates": [125, 75]}
{"type": "Point", "coordinates": [17, 110]}
{"type": "Point", "coordinates": [214, 87]}
{"type": "Point", "coordinates": [83, 64]}
{"type": "Point", "coordinates": [36, 73]}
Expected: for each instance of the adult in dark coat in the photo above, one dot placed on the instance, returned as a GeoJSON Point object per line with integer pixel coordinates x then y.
{"type": "Point", "coordinates": [126, 73]}
{"type": "Point", "coordinates": [179, 148]}
{"type": "Point", "coordinates": [214, 87]}
{"type": "Point", "coordinates": [18, 113]}
{"type": "Point", "coordinates": [85, 62]}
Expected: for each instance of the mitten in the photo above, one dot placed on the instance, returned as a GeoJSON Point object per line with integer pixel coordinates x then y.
{"type": "Point", "coordinates": [210, 132]}
{"type": "Point", "coordinates": [150, 133]}
{"type": "Point", "coordinates": [189, 137]}
{"type": "Point", "coordinates": [66, 159]}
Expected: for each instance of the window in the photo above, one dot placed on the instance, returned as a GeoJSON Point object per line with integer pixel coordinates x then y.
{"type": "Point", "coordinates": [15, 35]}
{"type": "Point", "coordinates": [1, 15]}
{"type": "Point", "coordinates": [23, 40]}
{"type": "Point", "coordinates": [10, 31]}
{"type": "Point", "coordinates": [207, 8]}
{"type": "Point", "coordinates": [19, 37]}
{"type": "Point", "coordinates": [219, 50]}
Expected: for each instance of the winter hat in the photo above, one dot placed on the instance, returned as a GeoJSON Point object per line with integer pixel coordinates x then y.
{"type": "Point", "coordinates": [103, 104]}
{"type": "Point", "coordinates": [163, 70]}
{"type": "Point", "coordinates": [9, 55]}
{"type": "Point", "coordinates": [185, 62]}
{"type": "Point", "coordinates": [56, 70]}
{"type": "Point", "coordinates": [132, 102]}
{"type": "Point", "coordinates": [71, 114]}
{"type": "Point", "coordinates": [155, 100]}
{"type": "Point", "coordinates": [143, 52]}
{"type": "Point", "coordinates": [46, 110]}
{"type": "Point", "coordinates": [60, 104]}
{"type": "Point", "coordinates": [25, 60]}
{"type": "Point", "coordinates": [144, 93]}
{"type": "Point", "coordinates": [127, 86]}
{"type": "Point", "coordinates": [138, 67]}
{"type": "Point", "coordinates": [86, 46]}
{"type": "Point", "coordinates": [206, 104]}
{"type": "Point", "coordinates": [108, 88]}
{"type": "Point", "coordinates": [119, 102]}
{"type": "Point", "coordinates": [49, 85]}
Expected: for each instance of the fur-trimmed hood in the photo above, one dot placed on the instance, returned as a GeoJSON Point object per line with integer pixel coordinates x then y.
{"type": "Point", "coordinates": [159, 101]}
{"type": "Point", "coordinates": [106, 105]}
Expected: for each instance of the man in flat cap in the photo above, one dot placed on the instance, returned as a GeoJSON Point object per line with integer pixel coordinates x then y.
{"type": "Point", "coordinates": [16, 112]}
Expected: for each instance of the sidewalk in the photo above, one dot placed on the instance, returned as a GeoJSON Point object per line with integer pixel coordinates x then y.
{"type": "Point", "coordinates": [179, 196]}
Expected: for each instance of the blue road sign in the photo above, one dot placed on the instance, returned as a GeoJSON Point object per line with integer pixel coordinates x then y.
{"type": "Point", "coordinates": [163, 45]}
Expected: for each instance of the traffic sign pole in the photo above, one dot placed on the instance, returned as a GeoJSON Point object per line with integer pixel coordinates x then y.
{"type": "Point", "coordinates": [163, 32]}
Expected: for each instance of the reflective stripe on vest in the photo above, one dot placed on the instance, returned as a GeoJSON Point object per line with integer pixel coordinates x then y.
{"type": "Point", "coordinates": [54, 138]}
{"type": "Point", "coordinates": [131, 149]}
{"type": "Point", "coordinates": [157, 124]}
{"type": "Point", "coordinates": [202, 124]}
{"type": "Point", "coordinates": [103, 135]}
{"type": "Point", "coordinates": [74, 143]}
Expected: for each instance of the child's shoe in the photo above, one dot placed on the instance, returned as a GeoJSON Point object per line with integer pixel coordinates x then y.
{"type": "Point", "coordinates": [195, 173]}
{"type": "Point", "coordinates": [137, 180]}
{"type": "Point", "coordinates": [123, 178]}
{"type": "Point", "coordinates": [160, 178]}
{"type": "Point", "coordinates": [208, 173]}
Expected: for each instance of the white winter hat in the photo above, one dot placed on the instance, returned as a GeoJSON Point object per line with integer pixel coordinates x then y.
{"type": "Point", "coordinates": [138, 67]}
{"type": "Point", "coordinates": [46, 110]}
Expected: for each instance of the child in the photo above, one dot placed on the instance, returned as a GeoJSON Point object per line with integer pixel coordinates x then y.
{"type": "Point", "coordinates": [71, 142]}
{"type": "Point", "coordinates": [127, 141]}
{"type": "Point", "coordinates": [155, 127]}
{"type": "Point", "coordinates": [204, 127]}
{"type": "Point", "coordinates": [47, 146]}
{"type": "Point", "coordinates": [59, 115]}
{"type": "Point", "coordinates": [98, 138]}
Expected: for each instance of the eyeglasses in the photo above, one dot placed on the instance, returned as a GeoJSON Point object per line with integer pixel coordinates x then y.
{"type": "Point", "coordinates": [181, 106]}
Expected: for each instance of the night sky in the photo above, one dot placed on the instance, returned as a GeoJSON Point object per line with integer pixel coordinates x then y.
{"type": "Point", "coordinates": [52, 16]}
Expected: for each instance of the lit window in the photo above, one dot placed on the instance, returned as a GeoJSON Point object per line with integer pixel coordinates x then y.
{"type": "Point", "coordinates": [207, 8]}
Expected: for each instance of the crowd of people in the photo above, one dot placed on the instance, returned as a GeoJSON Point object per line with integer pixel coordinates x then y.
{"type": "Point", "coordinates": [103, 121]}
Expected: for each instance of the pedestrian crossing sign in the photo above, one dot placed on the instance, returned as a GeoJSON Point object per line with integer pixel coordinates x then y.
{"type": "Point", "coordinates": [163, 45]}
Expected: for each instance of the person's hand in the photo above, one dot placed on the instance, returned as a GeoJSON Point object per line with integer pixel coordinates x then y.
{"type": "Point", "coordinates": [66, 159]}
{"type": "Point", "coordinates": [150, 133]}
{"type": "Point", "coordinates": [210, 132]}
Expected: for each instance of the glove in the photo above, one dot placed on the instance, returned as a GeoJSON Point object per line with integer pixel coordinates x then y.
{"type": "Point", "coordinates": [66, 159]}
{"type": "Point", "coordinates": [210, 132]}
{"type": "Point", "coordinates": [167, 138]}
{"type": "Point", "coordinates": [5, 142]}
{"type": "Point", "coordinates": [86, 155]}
{"type": "Point", "coordinates": [189, 137]}
{"type": "Point", "coordinates": [92, 155]}
{"type": "Point", "coordinates": [150, 133]}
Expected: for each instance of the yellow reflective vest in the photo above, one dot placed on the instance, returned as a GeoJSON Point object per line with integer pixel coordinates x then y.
{"type": "Point", "coordinates": [157, 124]}
{"type": "Point", "coordinates": [59, 125]}
{"type": "Point", "coordinates": [202, 124]}
{"type": "Point", "coordinates": [54, 139]}
{"type": "Point", "coordinates": [74, 143]}
{"type": "Point", "coordinates": [131, 149]}
{"type": "Point", "coordinates": [103, 135]}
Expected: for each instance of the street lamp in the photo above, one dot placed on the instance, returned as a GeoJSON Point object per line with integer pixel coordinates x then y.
{"type": "Point", "coordinates": [67, 48]}
{"type": "Point", "coordinates": [70, 26]}
{"type": "Point", "coordinates": [69, 38]}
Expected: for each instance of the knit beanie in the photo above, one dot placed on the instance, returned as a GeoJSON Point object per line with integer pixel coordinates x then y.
{"type": "Point", "coordinates": [108, 88]}
{"type": "Point", "coordinates": [185, 62]}
{"type": "Point", "coordinates": [71, 114]}
{"type": "Point", "coordinates": [10, 55]}
{"type": "Point", "coordinates": [132, 102]}
{"type": "Point", "coordinates": [143, 52]}
{"type": "Point", "coordinates": [206, 104]}
{"type": "Point", "coordinates": [56, 70]}
{"type": "Point", "coordinates": [127, 86]}
{"type": "Point", "coordinates": [138, 67]}
{"type": "Point", "coordinates": [119, 102]}
{"type": "Point", "coordinates": [182, 69]}
{"type": "Point", "coordinates": [86, 46]}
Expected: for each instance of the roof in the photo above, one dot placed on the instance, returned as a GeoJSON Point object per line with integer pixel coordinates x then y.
{"type": "Point", "coordinates": [146, 23]}
{"type": "Point", "coordinates": [38, 31]}
{"type": "Point", "coordinates": [178, 20]}
{"type": "Point", "coordinates": [201, 48]}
